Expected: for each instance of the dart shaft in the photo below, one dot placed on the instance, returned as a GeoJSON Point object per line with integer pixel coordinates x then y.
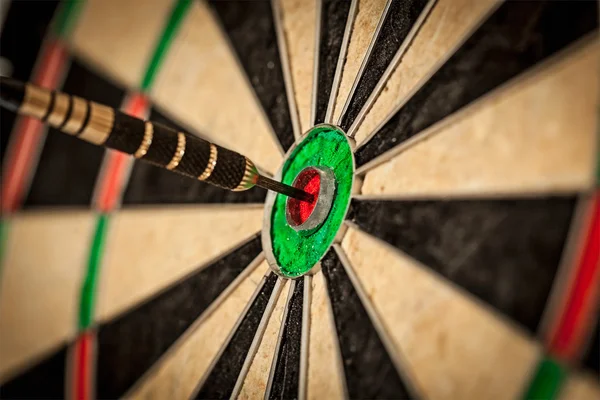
{"type": "Point", "coordinates": [160, 145]}
{"type": "Point", "coordinates": [284, 189]}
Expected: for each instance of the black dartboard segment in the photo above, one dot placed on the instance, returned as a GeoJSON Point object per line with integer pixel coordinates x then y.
{"type": "Point", "coordinates": [591, 358]}
{"type": "Point", "coordinates": [286, 378]}
{"type": "Point", "coordinates": [334, 17]}
{"type": "Point", "coordinates": [137, 339]}
{"type": "Point", "coordinates": [223, 376]}
{"type": "Point", "coordinates": [22, 35]}
{"type": "Point", "coordinates": [250, 27]}
{"type": "Point", "coordinates": [505, 252]}
{"type": "Point", "coordinates": [68, 166]}
{"type": "Point", "coordinates": [517, 36]}
{"type": "Point", "coordinates": [399, 20]}
{"type": "Point", "coordinates": [45, 380]}
{"type": "Point", "coordinates": [368, 368]}
{"type": "Point", "coordinates": [149, 184]}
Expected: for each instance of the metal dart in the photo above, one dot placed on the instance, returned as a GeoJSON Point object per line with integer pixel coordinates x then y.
{"type": "Point", "coordinates": [148, 141]}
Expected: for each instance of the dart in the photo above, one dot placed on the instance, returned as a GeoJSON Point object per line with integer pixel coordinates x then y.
{"type": "Point", "coordinates": [450, 251]}
{"type": "Point", "coordinates": [155, 143]}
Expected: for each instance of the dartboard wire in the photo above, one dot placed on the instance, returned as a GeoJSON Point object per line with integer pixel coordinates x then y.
{"type": "Point", "coordinates": [519, 55]}
{"type": "Point", "coordinates": [304, 341]}
{"type": "Point", "coordinates": [398, 64]}
{"type": "Point", "coordinates": [339, 359]}
{"type": "Point", "coordinates": [400, 361]}
{"type": "Point", "coordinates": [403, 146]}
{"type": "Point", "coordinates": [477, 104]}
{"type": "Point", "coordinates": [566, 175]}
{"type": "Point", "coordinates": [337, 78]}
{"type": "Point", "coordinates": [280, 335]}
{"type": "Point", "coordinates": [149, 374]}
{"type": "Point", "coordinates": [255, 341]}
{"type": "Point", "coordinates": [285, 66]}
{"type": "Point", "coordinates": [364, 61]}
{"type": "Point", "coordinates": [246, 78]}
{"type": "Point", "coordinates": [534, 348]}
{"type": "Point", "coordinates": [165, 282]}
{"type": "Point", "coordinates": [537, 341]}
{"type": "Point", "coordinates": [237, 324]}
{"type": "Point", "coordinates": [513, 325]}
{"type": "Point", "coordinates": [262, 326]}
{"type": "Point", "coordinates": [316, 88]}
{"type": "Point", "coordinates": [228, 251]}
{"type": "Point", "coordinates": [387, 73]}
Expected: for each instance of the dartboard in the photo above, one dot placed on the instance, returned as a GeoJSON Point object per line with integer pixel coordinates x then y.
{"type": "Point", "coordinates": [456, 252]}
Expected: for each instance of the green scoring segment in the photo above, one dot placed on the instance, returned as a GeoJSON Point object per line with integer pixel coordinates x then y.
{"type": "Point", "coordinates": [292, 253]}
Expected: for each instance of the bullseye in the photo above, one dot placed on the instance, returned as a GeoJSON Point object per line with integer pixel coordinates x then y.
{"type": "Point", "coordinates": [296, 234]}
{"type": "Point", "coordinates": [308, 180]}
{"type": "Point", "coordinates": [303, 215]}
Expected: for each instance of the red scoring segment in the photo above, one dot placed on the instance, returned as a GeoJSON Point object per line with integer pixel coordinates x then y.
{"type": "Point", "coordinates": [308, 180]}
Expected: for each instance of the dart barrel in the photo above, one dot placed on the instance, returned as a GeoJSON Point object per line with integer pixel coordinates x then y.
{"type": "Point", "coordinates": [155, 143]}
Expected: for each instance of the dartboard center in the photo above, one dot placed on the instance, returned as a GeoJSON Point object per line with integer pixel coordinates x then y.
{"type": "Point", "coordinates": [297, 234]}
{"type": "Point", "coordinates": [305, 216]}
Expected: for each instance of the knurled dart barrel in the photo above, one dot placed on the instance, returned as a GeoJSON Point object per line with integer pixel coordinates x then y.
{"type": "Point", "coordinates": [155, 143]}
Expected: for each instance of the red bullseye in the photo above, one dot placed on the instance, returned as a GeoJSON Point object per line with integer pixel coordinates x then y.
{"type": "Point", "coordinates": [305, 216]}
{"type": "Point", "coordinates": [308, 180]}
